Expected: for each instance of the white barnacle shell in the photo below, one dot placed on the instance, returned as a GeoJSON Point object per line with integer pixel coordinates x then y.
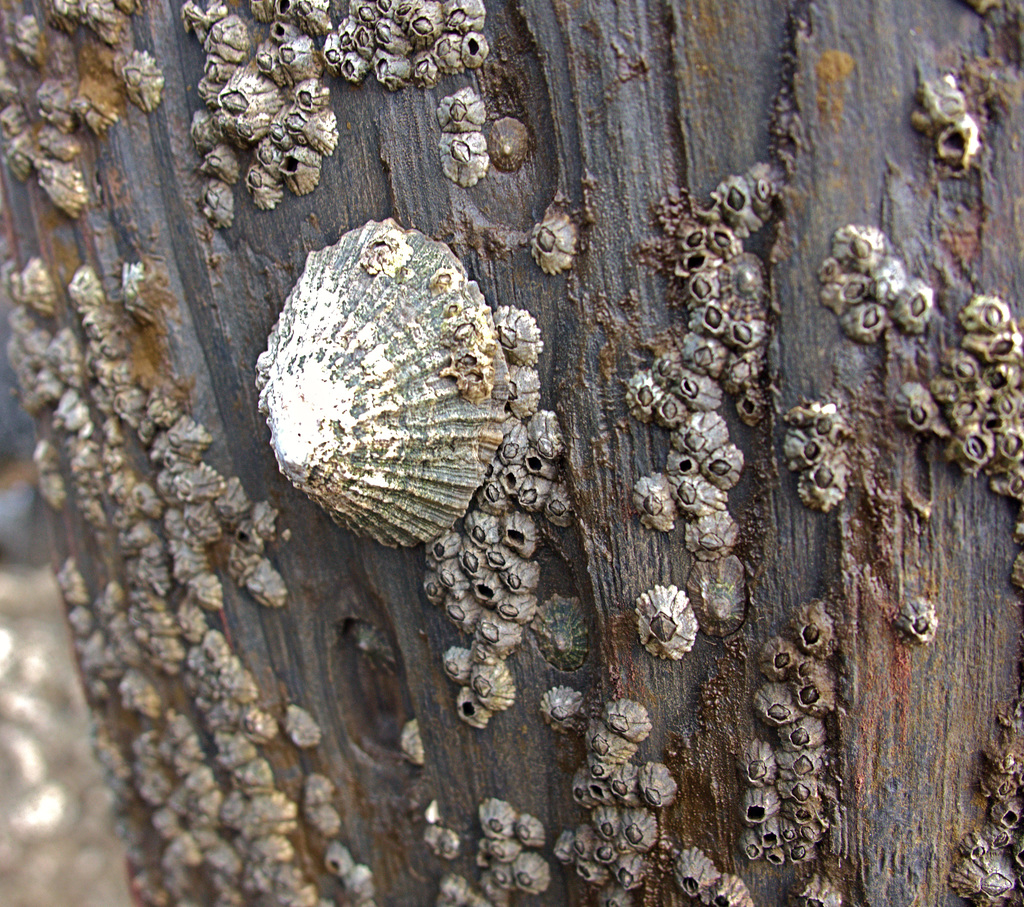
{"type": "Point", "coordinates": [301, 727]}
{"type": "Point", "coordinates": [411, 742]}
{"type": "Point", "coordinates": [666, 622]}
{"type": "Point", "coordinates": [143, 80]}
{"type": "Point", "coordinates": [357, 385]}
{"type": "Point", "coordinates": [553, 241]}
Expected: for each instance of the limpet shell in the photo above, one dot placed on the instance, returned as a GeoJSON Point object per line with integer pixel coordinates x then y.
{"type": "Point", "coordinates": [384, 384]}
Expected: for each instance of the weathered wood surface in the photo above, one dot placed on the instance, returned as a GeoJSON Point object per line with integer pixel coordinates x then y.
{"type": "Point", "coordinates": [623, 100]}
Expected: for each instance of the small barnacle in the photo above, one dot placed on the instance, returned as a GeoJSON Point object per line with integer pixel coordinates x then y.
{"type": "Point", "coordinates": [804, 733]}
{"type": "Point", "coordinates": [442, 841]}
{"type": "Point", "coordinates": [817, 892]}
{"type": "Point", "coordinates": [301, 727]}
{"type": "Point", "coordinates": [758, 805]}
{"type": "Point", "coordinates": [218, 204]}
{"type": "Point", "coordinates": [814, 629]}
{"type": "Point", "coordinates": [653, 498]}
{"type": "Point", "coordinates": [657, 786]}
{"type": "Point", "coordinates": [913, 307]}
{"type": "Point", "coordinates": [464, 158]}
{"type": "Point", "coordinates": [499, 850]}
{"type": "Point", "coordinates": [529, 831]}
{"type": "Point", "coordinates": [143, 80]}
{"type": "Point", "coordinates": [757, 764]}
{"type": "Point", "coordinates": [774, 705]}
{"type": "Point", "coordinates": [643, 395]}
{"type": "Point", "coordinates": [493, 685]}
{"type": "Point", "coordinates": [559, 707]}
{"type": "Point", "coordinates": [864, 322]}
{"type": "Point", "coordinates": [497, 818]}
{"type": "Point", "coordinates": [860, 248]}
{"type": "Point", "coordinates": [916, 408]}
{"type": "Point", "coordinates": [553, 241]}
{"type": "Point", "coordinates": [457, 664]}
{"type": "Point", "coordinates": [608, 746]}
{"type": "Point", "coordinates": [33, 287]}
{"type": "Point", "coordinates": [531, 873]}
{"type": "Point", "coordinates": [778, 659]}
{"type": "Point", "coordinates": [698, 392]}
{"type": "Point", "coordinates": [823, 486]}
{"type": "Point", "coordinates": [986, 314]}
{"type": "Point", "coordinates": [469, 708]}
{"type": "Point", "coordinates": [712, 536]}
{"type": "Point", "coordinates": [462, 112]}
{"type": "Point", "coordinates": [723, 466]}
{"type": "Point", "coordinates": [72, 584]}
{"type": "Point", "coordinates": [519, 335]}
{"type": "Point", "coordinates": [473, 50]}
{"type": "Point", "coordinates": [917, 620]}
{"type": "Point", "coordinates": [639, 829]}
{"type": "Point", "coordinates": [561, 632]}
{"type": "Point", "coordinates": [728, 891]}
{"type": "Point", "coordinates": [665, 622]}
{"type": "Point", "coordinates": [29, 40]}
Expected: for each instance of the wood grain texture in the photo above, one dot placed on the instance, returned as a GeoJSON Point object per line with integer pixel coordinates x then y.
{"type": "Point", "coordinates": [623, 100]}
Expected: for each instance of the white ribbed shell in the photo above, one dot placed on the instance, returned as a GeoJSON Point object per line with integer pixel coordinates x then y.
{"type": "Point", "coordinates": [361, 417]}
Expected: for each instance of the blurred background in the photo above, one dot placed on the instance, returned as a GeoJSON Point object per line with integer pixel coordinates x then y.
{"type": "Point", "coordinates": [57, 842]}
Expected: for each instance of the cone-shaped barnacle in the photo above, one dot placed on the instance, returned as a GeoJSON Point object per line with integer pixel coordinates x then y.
{"type": "Point", "coordinates": [666, 622]}
{"type": "Point", "coordinates": [143, 80]}
{"type": "Point", "coordinates": [553, 241]}
{"type": "Point", "coordinates": [384, 385]}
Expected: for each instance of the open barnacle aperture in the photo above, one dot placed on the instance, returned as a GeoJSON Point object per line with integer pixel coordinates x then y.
{"type": "Point", "coordinates": [384, 384]}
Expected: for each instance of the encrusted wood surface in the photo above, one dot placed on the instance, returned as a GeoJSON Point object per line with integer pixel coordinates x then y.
{"type": "Point", "coordinates": [623, 101]}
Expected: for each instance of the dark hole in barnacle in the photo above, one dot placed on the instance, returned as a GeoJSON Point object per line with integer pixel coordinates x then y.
{"type": "Point", "coordinates": [291, 164]}
{"type": "Point", "coordinates": [468, 708]}
{"type": "Point", "coordinates": [755, 813]}
{"type": "Point", "coordinates": [473, 46]}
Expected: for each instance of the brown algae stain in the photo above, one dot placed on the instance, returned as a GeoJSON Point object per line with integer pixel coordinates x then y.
{"type": "Point", "coordinates": [98, 80]}
{"type": "Point", "coordinates": [832, 70]}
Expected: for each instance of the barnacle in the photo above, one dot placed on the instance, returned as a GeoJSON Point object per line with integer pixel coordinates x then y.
{"type": "Point", "coordinates": [665, 622]}
{"type": "Point", "coordinates": [653, 498]}
{"type": "Point", "coordinates": [143, 80]}
{"type": "Point", "coordinates": [553, 241]}
{"type": "Point", "coordinates": [917, 620]}
{"type": "Point", "coordinates": [944, 116]}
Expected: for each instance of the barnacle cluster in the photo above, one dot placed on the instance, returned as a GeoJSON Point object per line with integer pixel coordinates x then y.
{"type": "Point", "coordinates": [51, 145]}
{"type": "Point", "coordinates": [815, 446]}
{"type": "Point", "coordinates": [482, 572]}
{"type": "Point", "coordinates": [147, 617]}
{"type": "Point", "coordinates": [270, 98]}
{"type": "Point", "coordinates": [943, 115]}
{"type": "Point", "coordinates": [785, 804]}
{"type": "Point", "coordinates": [698, 878]}
{"type": "Point", "coordinates": [703, 464]}
{"type": "Point", "coordinates": [666, 622]}
{"type": "Point", "coordinates": [868, 287]}
{"type": "Point", "coordinates": [507, 852]}
{"type": "Point", "coordinates": [989, 866]}
{"type": "Point", "coordinates": [722, 349]}
{"type": "Point", "coordinates": [721, 288]}
{"type": "Point", "coordinates": [624, 800]}
{"type": "Point", "coordinates": [974, 403]}
{"type": "Point", "coordinates": [406, 42]}
{"type": "Point", "coordinates": [464, 157]}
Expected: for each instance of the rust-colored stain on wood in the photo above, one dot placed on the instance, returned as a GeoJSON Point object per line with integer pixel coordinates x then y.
{"type": "Point", "coordinates": [98, 81]}
{"type": "Point", "coordinates": [832, 70]}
